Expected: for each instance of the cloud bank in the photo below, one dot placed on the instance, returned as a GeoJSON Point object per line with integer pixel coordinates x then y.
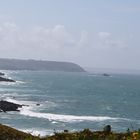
{"type": "Point", "coordinates": [54, 43]}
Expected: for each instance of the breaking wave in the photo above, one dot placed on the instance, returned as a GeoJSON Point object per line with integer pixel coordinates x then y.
{"type": "Point", "coordinates": [66, 118]}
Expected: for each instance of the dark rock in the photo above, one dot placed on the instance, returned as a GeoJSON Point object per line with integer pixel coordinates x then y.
{"type": "Point", "coordinates": [66, 131]}
{"type": "Point", "coordinates": [105, 74]}
{"type": "Point", "coordinates": [24, 105]}
{"type": "Point", "coordinates": [8, 106]}
{"type": "Point", "coordinates": [37, 104]}
{"type": "Point", "coordinates": [2, 79]}
{"type": "Point", "coordinates": [107, 128]}
{"type": "Point", "coordinates": [2, 74]}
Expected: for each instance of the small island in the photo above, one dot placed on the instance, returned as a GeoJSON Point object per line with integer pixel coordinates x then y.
{"type": "Point", "coordinates": [105, 74]}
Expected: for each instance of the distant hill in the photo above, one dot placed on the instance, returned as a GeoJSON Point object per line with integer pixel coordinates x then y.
{"type": "Point", "coordinates": [17, 64]}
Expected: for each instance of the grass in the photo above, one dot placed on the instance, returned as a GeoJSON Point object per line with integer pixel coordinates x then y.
{"type": "Point", "coordinates": [8, 133]}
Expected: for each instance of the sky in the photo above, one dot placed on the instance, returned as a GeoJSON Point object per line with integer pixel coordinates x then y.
{"type": "Point", "coordinates": [91, 33]}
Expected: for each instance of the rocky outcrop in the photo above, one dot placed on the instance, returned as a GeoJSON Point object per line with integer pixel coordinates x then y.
{"type": "Point", "coordinates": [8, 106]}
{"type": "Point", "coordinates": [2, 79]}
{"type": "Point", "coordinates": [105, 74]}
{"type": "Point", "coordinates": [2, 74]}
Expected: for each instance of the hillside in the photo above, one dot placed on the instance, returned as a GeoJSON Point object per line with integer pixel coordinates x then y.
{"type": "Point", "coordinates": [8, 133]}
{"type": "Point", "coordinates": [17, 64]}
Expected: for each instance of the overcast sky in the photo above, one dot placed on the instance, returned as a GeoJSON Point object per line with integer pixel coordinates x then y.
{"type": "Point", "coordinates": [92, 33]}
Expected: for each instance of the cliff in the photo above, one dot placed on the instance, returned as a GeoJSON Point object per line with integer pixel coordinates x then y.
{"type": "Point", "coordinates": [17, 64]}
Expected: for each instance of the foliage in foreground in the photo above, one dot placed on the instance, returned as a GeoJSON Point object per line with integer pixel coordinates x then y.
{"type": "Point", "coordinates": [97, 135]}
{"type": "Point", "coordinates": [8, 133]}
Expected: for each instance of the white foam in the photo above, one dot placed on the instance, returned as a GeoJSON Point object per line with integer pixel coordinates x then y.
{"type": "Point", "coordinates": [7, 83]}
{"type": "Point", "coordinates": [8, 96]}
{"type": "Point", "coordinates": [30, 104]}
{"type": "Point", "coordinates": [11, 83]}
{"type": "Point", "coordinates": [38, 132]}
{"type": "Point", "coordinates": [30, 111]}
{"type": "Point", "coordinates": [66, 118]}
{"type": "Point", "coordinates": [20, 82]}
{"type": "Point", "coordinates": [50, 104]}
{"type": "Point", "coordinates": [8, 99]}
{"type": "Point", "coordinates": [54, 122]}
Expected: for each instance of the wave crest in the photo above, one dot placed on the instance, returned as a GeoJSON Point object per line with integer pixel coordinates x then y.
{"type": "Point", "coordinates": [66, 118]}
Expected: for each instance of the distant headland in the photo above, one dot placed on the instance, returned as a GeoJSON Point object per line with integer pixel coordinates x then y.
{"type": "Point", "coordinates": [18, 64]}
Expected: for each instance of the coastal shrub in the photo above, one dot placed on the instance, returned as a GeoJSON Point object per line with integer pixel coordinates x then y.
{"type": "Point", "coordinates": [7, 133]}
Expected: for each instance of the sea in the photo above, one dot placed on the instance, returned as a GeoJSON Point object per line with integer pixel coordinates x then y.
{"type": "Point", "coordinates": [59, 101]}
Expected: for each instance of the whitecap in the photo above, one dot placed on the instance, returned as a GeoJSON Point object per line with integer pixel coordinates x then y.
{"type": "Point", "coordinates": [9, 99]}
{"type": "Point", "coordinates": [20, 82]}
{"type": "Point", "coordinates": [38, 132]}
{"type": "Point", "coordinates": [54, 122]}
{"type": "Point", "coordinates": [29, 105]}
{"type": "Point", "coordinates": [67, 118]}
{"type": "Point", "coordinates": [7, 83]}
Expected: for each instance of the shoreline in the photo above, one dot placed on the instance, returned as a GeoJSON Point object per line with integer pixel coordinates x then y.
{"type": "Point", "coordinates": [9, 133]}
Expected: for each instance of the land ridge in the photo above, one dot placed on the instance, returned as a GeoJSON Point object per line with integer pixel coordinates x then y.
{"type": "Point", "coordinates": [30, 64]}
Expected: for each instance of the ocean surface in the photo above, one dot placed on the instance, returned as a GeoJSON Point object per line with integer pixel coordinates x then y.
{"type": "Point", "coordinates": [72, 101]}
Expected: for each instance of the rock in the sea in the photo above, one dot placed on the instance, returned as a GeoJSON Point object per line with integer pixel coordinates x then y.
{"type": "Point", "coordinates": [107, 128]}
{"type": "Point", "coordinates": [2, 74]}
{"type": "Point", "coordinates": [105, 74]}
{"type": "Point", "coordinates": [2, 79]}
{"type": "Point", "coordinates": [8, 106]}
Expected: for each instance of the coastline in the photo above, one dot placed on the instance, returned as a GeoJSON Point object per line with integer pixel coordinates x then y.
{"type": "Point", "coordinates": [9, 133]}
{"type": "Point", "coordinates": [40, 116]}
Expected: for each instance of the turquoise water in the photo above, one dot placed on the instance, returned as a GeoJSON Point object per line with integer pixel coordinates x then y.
{"type": "Point", "coordinates": [72, 101]}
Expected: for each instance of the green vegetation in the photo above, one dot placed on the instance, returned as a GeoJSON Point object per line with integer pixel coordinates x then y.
{"type": "Point", "coordinates": [97, 135]}
{"type": "Point", "coordinates": [8, 133]}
